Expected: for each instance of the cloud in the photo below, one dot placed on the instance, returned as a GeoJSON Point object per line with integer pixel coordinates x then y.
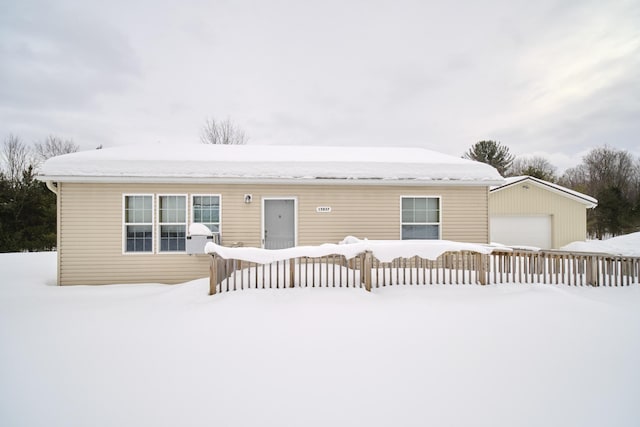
{"type": "Point", "coordinates": [55, 59]}
{"type": "Point", "coordinates": [547, 75]}
{"type": "Point", "coordinates": [56, 65]}
{"type": "Point", "coordinates": [577, 85]}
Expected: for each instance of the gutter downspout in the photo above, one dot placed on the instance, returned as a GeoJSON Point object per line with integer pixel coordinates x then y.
{"type": "Point", "coordinates": [55, 189]}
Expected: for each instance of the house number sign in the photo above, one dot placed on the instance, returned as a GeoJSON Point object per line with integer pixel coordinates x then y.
{"type": "Point", "coordinates": [323, 209]}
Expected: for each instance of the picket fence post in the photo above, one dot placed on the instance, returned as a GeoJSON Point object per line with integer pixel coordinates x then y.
{"type": "Point", "coordinates": [213, 276]}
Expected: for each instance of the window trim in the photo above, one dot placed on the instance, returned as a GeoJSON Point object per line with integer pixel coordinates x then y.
{"type": "Point", "coordinates": [420, 196]}
{"type": "Point", "coordinates": [159, 224]}
{"type": "Point", "coordinates": [191, 204]}
{"type": "Point", "coordinates": [124, 224]}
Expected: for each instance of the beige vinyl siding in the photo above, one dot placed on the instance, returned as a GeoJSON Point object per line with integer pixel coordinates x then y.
{"type": "Point", "coordinates": [91, 223]}
{"type": "Point", "coordinates": [568, 216]}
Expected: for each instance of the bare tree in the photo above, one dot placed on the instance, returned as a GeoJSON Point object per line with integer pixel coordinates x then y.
{"type": "Point", "coordinates": [601, 168]}
{"type": "Point", "coordinates": [536, 166]}
{"type": "Point", "coordinates": [611, 176]}
{"type": "Point", "coordinates": [222, 132]}
{"type": "Point", "coordinates": [16, 158]}
{"type": "Point", "coordinates": [54, 146]}
{"type": "Point", "coordinates": [576, 178]}
{"type": "Point", "coordinates": [610, 167]}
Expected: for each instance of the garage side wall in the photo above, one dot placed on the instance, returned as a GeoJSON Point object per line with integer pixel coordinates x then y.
{"type": "Point", "coordinates": [91, 229]}
{"type": "Point", "coordinates": [568, 217]}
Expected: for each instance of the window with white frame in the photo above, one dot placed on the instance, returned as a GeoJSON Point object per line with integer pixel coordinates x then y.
{"type": "Point", "coordinates": [138, 223]}
{"type": "Point", "coordinates": [420, 218]}
{"type": "Point", "coordinates": [206, 210]}
{"type": "Point", "coordinates": [172, 223]}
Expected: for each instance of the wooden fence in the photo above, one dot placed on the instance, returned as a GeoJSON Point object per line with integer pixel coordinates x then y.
{"type": "Point", "coordinates": [365, 271]}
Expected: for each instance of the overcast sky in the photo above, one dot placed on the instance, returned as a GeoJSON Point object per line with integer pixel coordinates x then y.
{"type": "Point", "coordinates": [544, 77]}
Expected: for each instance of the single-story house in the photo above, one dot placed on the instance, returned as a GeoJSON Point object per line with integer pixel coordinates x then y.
{"type": "Point", "coordinates": [527, 211]}
{"type": "Point", "coordinates": [124, 213]}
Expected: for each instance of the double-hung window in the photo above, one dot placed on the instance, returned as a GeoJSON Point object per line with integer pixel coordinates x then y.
{"type": "Point", "coordinates": [420, 218]}
{"type": "Point", "coordinates": [138, 223]}
{"type": "Point", "coordinates": [206, 210]}
{"type": "Point", "coordinates": [172, 222]}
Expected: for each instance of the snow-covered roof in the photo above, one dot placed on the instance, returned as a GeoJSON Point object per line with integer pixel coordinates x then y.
{"type": "Point", "coordinates": [259, 163]}
{"type": "Point", "coordinates": [559, 189]}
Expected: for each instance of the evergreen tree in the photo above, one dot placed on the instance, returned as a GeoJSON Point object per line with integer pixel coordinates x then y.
{"type": "Point", "coordinates": [27, 214]}
{"type": "Point", "coordinates": [27, 207]}
{"type": "Point", "coordinates": [492, 153]}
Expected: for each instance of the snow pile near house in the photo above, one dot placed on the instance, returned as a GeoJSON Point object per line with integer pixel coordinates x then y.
{"type": "Point", "coordinates": [163, 161]}
{"type": "Point", "coordinates": [450, 355]}
{"type": "Point", "coordinates": [628, 245]}
{"type": "Point", "coordinates": [383, 250]}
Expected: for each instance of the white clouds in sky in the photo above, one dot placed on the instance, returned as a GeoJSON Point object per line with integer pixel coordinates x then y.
{"type": "Point", "coordinates": [551, 77]}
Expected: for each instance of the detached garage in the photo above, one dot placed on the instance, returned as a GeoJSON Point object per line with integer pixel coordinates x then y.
{"type": "Point", "coordinates": [528, 211]}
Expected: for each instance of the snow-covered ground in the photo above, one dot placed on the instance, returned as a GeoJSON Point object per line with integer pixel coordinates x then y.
{"type": "Point", "coordinates": [444, 355]}
{"type": "Point", "coordinates": [628, 244]}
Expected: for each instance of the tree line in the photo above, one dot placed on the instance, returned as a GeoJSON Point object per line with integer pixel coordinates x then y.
{"type": "Point", "coordinates": [610, 175]}
{"type": "Point", "coordinates": [27, 207]}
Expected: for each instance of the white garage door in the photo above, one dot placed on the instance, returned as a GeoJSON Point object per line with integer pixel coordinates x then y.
{"type": "Point", "coordinates": [522, 230]}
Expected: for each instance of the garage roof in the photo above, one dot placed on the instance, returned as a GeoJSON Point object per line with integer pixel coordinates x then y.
{"type": "Point", "coordinates": [589, 201]}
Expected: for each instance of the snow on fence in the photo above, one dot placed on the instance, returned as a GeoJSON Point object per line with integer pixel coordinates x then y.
{"type": "Point", "coordinates": [364, 270]}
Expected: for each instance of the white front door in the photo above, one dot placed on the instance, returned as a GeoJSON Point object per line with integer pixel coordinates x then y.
{"type": "Point", "coordinates": [279, 219]}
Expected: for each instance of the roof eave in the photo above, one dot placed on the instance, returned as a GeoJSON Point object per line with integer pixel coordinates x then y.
{"type": "Point", "coordinates": [263, 180]}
